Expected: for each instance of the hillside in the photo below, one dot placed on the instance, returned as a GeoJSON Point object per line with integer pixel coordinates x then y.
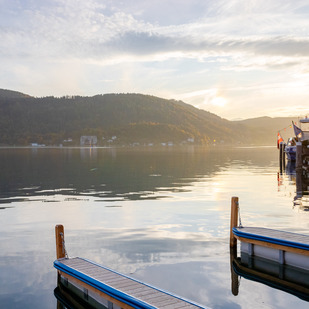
{"type": "Point", "coordinates": [122, 119]}
{"type": "Point", "coordinates": [9, 94]}
{"type": "Point", "coordinates": [268, 127]}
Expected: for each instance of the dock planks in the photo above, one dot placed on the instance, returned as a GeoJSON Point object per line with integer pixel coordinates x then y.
{"type": "Point", "coordinates": [292, 241]}
{"type": "Point", "coordinates": [121, 287]}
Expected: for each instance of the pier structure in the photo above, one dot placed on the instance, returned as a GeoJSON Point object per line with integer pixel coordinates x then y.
{"type": "Point", "coordinates": [101, 287]}
{"type": "Point", "coordinates": [279, 246]}
{"type": "Point", "coordinates": [275, 258]}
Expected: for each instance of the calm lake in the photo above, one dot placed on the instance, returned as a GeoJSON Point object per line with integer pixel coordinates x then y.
{"type": "Point", "coordinates": [161, 216]}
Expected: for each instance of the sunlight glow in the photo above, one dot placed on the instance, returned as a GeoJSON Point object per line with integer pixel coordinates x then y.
{"type": "Point", "coordinates": [219, 101]}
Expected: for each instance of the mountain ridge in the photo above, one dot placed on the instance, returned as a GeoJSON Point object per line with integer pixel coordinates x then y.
{"type": "Point", "coordinates": [131, 118]}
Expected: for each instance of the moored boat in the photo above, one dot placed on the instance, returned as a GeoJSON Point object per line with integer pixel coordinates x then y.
{"type": "Point", "coordinates": [290, 149]}
{"type": "Point", "coordinates": [302, 133]}
{"type": "Point", "coordinates": [301, 137]}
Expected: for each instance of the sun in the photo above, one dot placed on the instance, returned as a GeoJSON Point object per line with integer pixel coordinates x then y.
{"type": "Point", "coordinates": [219, 101]}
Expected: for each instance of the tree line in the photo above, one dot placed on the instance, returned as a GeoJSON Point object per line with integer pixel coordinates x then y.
{"type": "Point", "coordinates": [132, 118]}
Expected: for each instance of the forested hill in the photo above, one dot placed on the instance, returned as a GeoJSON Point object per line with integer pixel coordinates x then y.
{"type": "Point", "coordinates": [122, 119]}
{"type": "Point", "coordinates": [12, 94]}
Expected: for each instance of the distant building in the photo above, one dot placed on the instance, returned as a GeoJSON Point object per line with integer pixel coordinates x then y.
{"type": "Point", "coordinates": [88, 140]}
{"type": "Point", "coordinates": [69, 140]}
{"type": "Point", "coordinates": [37, 145]}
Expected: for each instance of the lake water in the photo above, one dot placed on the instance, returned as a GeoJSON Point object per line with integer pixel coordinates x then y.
{"type": "Point", "coordinates": [161, 216]}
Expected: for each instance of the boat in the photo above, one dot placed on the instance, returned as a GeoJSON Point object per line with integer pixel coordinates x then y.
{"type": "Point", "coordinates": [290, 149]}
{"type": "Point", "coordinates": [302, 146]}
{"type": "Point", "coordinates": [302, 132]}
{"type": "Point", "coordinates": [301, 137]}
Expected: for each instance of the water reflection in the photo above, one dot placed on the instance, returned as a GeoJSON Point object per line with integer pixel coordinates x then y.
{"type": "Point", "coordinates": [286, 278]}
{"type": "Point", "coordinates": [160, 216]}
{"type": "Point", "coordinates": [110, 174]}
{"type": "Point", "coordinates": [298, 181]}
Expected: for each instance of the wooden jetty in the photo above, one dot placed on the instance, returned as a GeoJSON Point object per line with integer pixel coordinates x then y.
{"type": "Point", "coordinates": [282, 247]}
{"type": "Point", "coordinates": [102, 287]}
{"type": "Point", "coordinates": [275, 258]}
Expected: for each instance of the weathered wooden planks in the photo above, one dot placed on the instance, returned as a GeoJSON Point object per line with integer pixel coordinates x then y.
{"type": "Point", "coordinates": [281, 240]}
{"type": "Point", "coordinates": [122, 288]}
{"type": "Point", "coordinates": [279, 246]}
{"type": "Point", "coordinates": [282, 235]}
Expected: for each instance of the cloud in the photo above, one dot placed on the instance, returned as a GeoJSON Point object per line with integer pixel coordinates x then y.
{"type": "Point", "coordinates": [167, 48]}
{"type": "Point", "coordinates": [89, 29]}
{"type": "Point", "coordinates": [152, 43]}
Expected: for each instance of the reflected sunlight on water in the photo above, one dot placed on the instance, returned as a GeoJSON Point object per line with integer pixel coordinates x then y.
{"type": "Point", "coordinates": [161, 216]}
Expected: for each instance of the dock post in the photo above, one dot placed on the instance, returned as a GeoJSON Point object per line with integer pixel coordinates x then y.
{"type": "Point", "coordinates": [234, 220]}
{"type": "Point", "coordinates": [283, 152]}
{"type": "Point", "coordinates": [280, 155]}
{"type": "Point", "coordinates": [234, 276]}
{"type": "Point", "coordinates": [283, 156]}
{"type": "Point", "coordinates": [60, 249]}
{"type": "Point", "coordinates": [299, 157]}
{"type": "Point", "coordinates": [299, 183]}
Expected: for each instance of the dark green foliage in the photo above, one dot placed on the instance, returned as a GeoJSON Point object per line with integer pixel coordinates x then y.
{"type": "Point", "coordinates": [12, 94]}
{"type": "Point", "coordinates": [133, 118]}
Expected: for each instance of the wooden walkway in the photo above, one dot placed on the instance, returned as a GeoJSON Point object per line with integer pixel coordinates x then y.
{"type": "Point", "coordinates": [279, 246]}
{"type": "Point", "coordinates": [260, 248]}
{"type": "Point", "coordinates": [122, 290]}
{"type": "Point", "coordinates": [290, 241]}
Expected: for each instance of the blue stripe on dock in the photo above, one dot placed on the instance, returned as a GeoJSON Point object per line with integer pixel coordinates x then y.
{"type": "Point", "coordinates": [101, 286]}
{"type": "Point", "coordinates": [113, 292]}
{"type": "Point", "coordinates": [245, 233]}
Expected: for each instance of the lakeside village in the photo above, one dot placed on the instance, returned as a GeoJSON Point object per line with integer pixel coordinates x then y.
{"type": "Point", "coordinates": [92, 141]}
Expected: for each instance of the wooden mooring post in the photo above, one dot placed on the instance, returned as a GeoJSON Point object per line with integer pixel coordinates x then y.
{"type": "Point", "coordinates": [60, 248]}
{"type": "Point", "coordinates": [234, 276]}
{"type": "Point", "coordinates": [282, 156]}
{"type": "Point", "coordinates": [299, 155]}
{"type": "Point", "coordinates": [234, 220]}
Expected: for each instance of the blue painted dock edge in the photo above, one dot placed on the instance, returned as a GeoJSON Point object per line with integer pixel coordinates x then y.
{"type": "Point", "coordinates": [121, 296]}
{"type": "Point", "coordinates": [283, 242]}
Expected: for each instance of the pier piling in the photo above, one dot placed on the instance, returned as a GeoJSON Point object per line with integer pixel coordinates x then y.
{"type": "Point", "coordinates": [299, 157]}
{"type": "Point", "coordinates": [60, 249]}
{"type": "Point", "coordinates": [234, 220]}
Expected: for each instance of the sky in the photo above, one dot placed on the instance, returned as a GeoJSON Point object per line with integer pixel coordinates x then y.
{"type": "Point", "coordinates": [237, 59]}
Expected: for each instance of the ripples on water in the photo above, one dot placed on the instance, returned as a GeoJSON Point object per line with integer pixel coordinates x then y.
{"type": "Point", "coordinates": [160, 215]}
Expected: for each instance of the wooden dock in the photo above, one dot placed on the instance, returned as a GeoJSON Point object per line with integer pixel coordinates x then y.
{"type": "Point", "coordinates": [275, 258]}
{"type": "Point", "coordinates": [280, 246]}
{"type": "Point", "coordinates": [110, 288]}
